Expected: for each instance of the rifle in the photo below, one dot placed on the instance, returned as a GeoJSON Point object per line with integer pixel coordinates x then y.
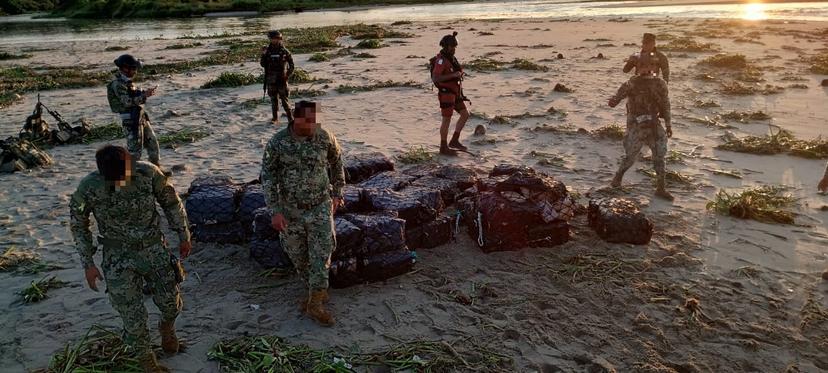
{"type": "Point", "coordinates": [62, 124]}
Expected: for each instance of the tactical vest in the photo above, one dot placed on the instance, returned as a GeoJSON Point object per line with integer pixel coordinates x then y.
{"type": "Point", "coordinates": [452, 66]}
{"type": "Point", "coordinates": [276, 64]}
{"type": "Point", "coordinates": [644, 97]}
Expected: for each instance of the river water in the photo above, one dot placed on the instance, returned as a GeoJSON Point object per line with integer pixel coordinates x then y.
{"type": "Point", "coordinates": [28, 29]}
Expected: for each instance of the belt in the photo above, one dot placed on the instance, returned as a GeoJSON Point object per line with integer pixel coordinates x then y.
{"type": "Point", "coordinates": [131, 244]}
{"type": "Point", "coordinates": [309, 205]}
{"type": "Point", "coordinates": [125, 116]}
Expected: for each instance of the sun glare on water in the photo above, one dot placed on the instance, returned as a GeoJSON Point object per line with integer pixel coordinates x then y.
{"type": "Point", "coordinates": [754, 12]}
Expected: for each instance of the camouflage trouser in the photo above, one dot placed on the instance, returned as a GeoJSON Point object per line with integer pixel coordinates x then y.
{"type": "Point", "coordinates": [309, 242]}
{"type": "Point", "coordinates": [143, 137]}
{"type": "Point", "coordinates": [279, 93]}
{"type": "Point", "coordinates": [125, 271]}
{"type": "Point", "coordinates": [636, 137]}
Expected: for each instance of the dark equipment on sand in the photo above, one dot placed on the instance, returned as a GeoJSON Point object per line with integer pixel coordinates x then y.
{"type": "Point", "coordinates": [619, 221]}
{"type": "Point", "coordinates": [37, 129]}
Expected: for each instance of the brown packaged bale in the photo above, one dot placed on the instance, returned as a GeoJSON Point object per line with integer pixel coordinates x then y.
{"type": "Point", "coordinates": [432, 234]}
{"type": "Point", "coordinates": [620, 221]}
{"type": "Point", "coordinates": [361, 166]}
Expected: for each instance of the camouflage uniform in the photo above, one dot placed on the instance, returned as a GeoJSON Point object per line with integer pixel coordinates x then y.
{"type": "Point", "coordinates": [133, 246]}
{"type": "Point", "coordinates": [124, 97]}
{"type": "Point", "coordinates": [656, 58]}
{"type": "Point", "coordinates": [647, 101]}
{"type": "Point", "coordinates": [299, 178]}
{"type": "Point", "coordinates": [278, 64]}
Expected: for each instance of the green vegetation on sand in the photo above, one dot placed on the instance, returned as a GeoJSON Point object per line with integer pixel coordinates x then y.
{"type": "Point", "coordinates": [764, 204]}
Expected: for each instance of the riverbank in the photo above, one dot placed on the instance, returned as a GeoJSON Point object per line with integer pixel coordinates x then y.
{"type": "Point", "coordinates": [710, 293]}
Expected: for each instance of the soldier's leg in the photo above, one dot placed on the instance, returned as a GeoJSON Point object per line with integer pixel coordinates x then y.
{"type": "Point", "coordinates": [135, 141]}
{"type": "Point", "coordinates": [461, 109]}
{"type": "Point", "coordinates": [447, 100]}
{"type": "Point", "coordinates": [272, 92]}
{"type": "Point", "coordinates": [321, 242]}
{"type": "Point", "coordinates": [166, 294]}
{"type": "Point", "coordinates": [123, 284]}
{"type": "Point", "coordinates": [284, 96]}
{"type": "Point", "coordinates": [151, 143]}
{"type": "Point", "coordinates": [632, 147]}
{"type": "Point", "coordinates": [295, 244]}
{"type": "Point", "coordinates": [658, 145]}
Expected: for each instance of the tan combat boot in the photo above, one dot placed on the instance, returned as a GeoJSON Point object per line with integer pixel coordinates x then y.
{"type": "Point", "coordinates": [616, 181]}
{"type": "Point", "coordinates": [661, 190]}
{"type": "Point", "coordinates": [150, 365]}
{"type": "Point", "coordinates": [169, 341]}
{"type": "Point", "coordinates": [316, 309]}
{"type": "Point", "coordinates": [303, 302]}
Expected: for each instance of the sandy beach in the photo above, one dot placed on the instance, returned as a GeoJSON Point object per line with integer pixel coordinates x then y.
{"type": "Point", "coordinates": [762, 304]}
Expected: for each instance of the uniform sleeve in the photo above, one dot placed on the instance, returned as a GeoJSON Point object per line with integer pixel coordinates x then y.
{"type": "Point", "coordinates": [291, 66]}
{"type": "Point", "coordinates": [623, 92]}
{"type": "Point", "coordinates": [631, 62]}
{"type": "Point", "coordinates": [171, 204]}
{"type": "Point", "coordinates": [665, 102]}
{"type": "Point", "coordinates": [335, 168]}
{"type": "Point", "coordinates": [272, 191]}
{"type": "Point", "coordinates": [263, 59]}
{"type": "Point", "coordinates": [122, 92]}
{"type": "Point", "coordinates": [664, 64]}
{"type": "Point", "coordinates": [79, 212]}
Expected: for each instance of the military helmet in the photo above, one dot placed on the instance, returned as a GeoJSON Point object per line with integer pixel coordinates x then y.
{"type": "Point", "coordinates": [449, 40]}
{"type": "Point", "coordinates": [274, 34]}
{"type": "Point", "coordinates": [648, 37]}
{"type": "Point", "coordinates": [127, 60]}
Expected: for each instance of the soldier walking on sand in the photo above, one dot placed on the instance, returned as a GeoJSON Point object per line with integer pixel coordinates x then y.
{"type": "Point", "coordinates": [447, 75]}
{"type": "Point", "coordinates": [123, 196]}
{"type": "Point", "coordinates": [655, 58]}
{"type": "Point", "coordinates": [647, 100]}
{"type": "Point", "coordinates": [278, 65]}
{"type": "Point", "coordinates": [128, 102]}
{"type": "Point", "coordinates": [302, 176]}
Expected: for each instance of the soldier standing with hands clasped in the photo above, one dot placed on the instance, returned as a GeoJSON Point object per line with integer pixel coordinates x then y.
{"type": "Point", "coordinates": [303, 176]}
{"type": "Point", "coordinates": [123, 196]}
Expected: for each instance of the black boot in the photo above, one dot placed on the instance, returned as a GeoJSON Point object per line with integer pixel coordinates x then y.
{"type": "Point", "coordinates": [274, 108]}
{"type": "Point", "coordinates": [455, 142]}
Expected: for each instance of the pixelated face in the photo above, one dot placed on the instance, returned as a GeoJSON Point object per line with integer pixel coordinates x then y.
{"type": "Point", "coordinates": [127, 179]}
{"type": "Point", "coordinates": [277, 40]}
{"type": "Point", "coordinates": [305, 123]}
{"type": "Point", "coordinates": [129, 71]}
{"type": "Point", "coordinates": [647, 45]}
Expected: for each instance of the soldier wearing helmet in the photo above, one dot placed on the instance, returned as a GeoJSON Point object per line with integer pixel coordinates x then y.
{"type": "Point", "coordinates": [128, 101]}
{"type": "Point", "coordinates": [649, 59]}
{"type": "Point", "coordinates": [447, 75]}
{"type": "Point", "coordinates": [278, 65]}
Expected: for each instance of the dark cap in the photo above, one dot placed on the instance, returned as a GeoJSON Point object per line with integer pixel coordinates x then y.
{"type": "Point", "coordinates": [274, 34]}
{"type": "Point", "coordinates": [648, 37]}
{"type": "Point", "coordinates": [127, 60]}
{"type": "Point", "coordinates": [299, 110]}
{"type": "Point", "coordinates": [449, 40]}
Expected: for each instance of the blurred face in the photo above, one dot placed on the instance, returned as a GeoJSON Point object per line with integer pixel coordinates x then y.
{"type": "Point", "coordinates": [127, 173]}
{"type": "Point", "coordinates": [129, 71]}
{"type": "Point", "coordinates": [648, 45]}
{"type": "Point", "coordinates": [305, 124]}
{"type": "Point", "coordinates": [450, 49]}
{"type": "Point", "coordinates": [276, 41]}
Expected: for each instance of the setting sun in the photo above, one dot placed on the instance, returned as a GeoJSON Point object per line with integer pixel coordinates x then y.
{"type": "Point", "coordinates": [755, 12]}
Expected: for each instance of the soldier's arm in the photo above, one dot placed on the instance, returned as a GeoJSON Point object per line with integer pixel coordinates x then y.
{"type": "Point", "coordinates": [171, 204]}
{"type": "Point", "coordinates": [623, 92]}
{"type": "Point", "coordinates": [79, 212]}
{"type": "Point", "coordinates": [263, 58]}
{"type": "Point", "coordinates": [630, 63]}
{"type": "Point", "coordinates": [122, 93]}
{"type": "Point", "coordinates": [826, 172]}
{"type": "Point", "coordinates": [291, 66]}
{"type": "Point", "coordinates": [665, 103]}
{"type": "Point", "coordinates": [336, 168]}
{"type": "Point", "coordinates": [665, 67]}
{"type": "Point", "coordinates": [272, 190]}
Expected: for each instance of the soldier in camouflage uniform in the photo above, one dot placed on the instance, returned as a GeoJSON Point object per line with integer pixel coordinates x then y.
{"type": "Point", "coordinates": [122, 195]}
{"type": "Point", "coordinates": [303, 177]}
{"type": "Point", "coordinates": [649, 52]}
{"type": "Point", "coordinates": [647, 100]}
{"type": "Point", "coordinates": [128, 102]}
{"type": "Point", "coordinates": [278, 64]}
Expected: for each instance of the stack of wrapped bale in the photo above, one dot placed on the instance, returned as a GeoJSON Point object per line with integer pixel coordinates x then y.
{"type": "Point", "coordinates": [620, 221]}
{"type": "Point", "coordinates": [212, 205]}
{"type": "Point", "coordinates": [265, 243]}
{"type": "Point", "coordinates": [18, 154]}
{"type": "Point", "coordinates": [369, 248]}
{"type": "Point", "coordinates": [361, 166]}
{"type": "Point", "coordinates": [517, 207]}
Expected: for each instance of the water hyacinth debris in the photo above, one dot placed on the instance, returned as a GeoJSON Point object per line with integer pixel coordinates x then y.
{"type": "Point", "coordinates": [764, 204]}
